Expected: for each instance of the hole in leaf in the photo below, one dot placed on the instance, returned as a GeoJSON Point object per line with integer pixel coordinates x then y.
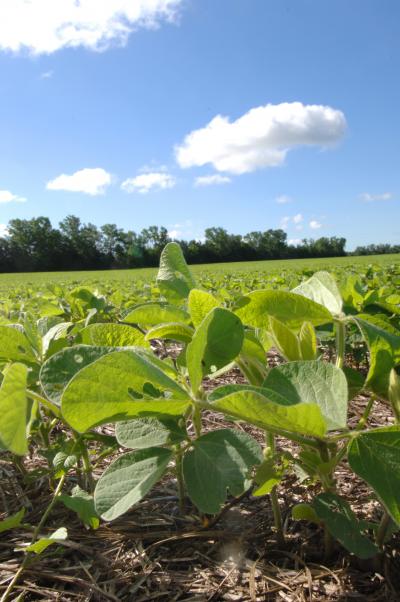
{"type": "Point", "coordinates": [134, 394]}
{"type": "Point", "coordinates": [78, 358]}
{"type": "Point", "coordinates": [149, 389]}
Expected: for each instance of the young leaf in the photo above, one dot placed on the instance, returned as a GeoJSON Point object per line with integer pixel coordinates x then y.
{"type": "Point", "coordinates": [305, 512]}
{"type": "Point", "coordinates": [152, 314]}
{"type": "Point", "coordinates": [82, 503]}
{"type": "Point", "coordinates": [200, 303]}
{"type": "Point", "coordinates": [11, 522]}
{"type": "Point", "coordinates": [342, 523]}
{"type": "Point", "coordinates": [285, 340]}
{"type": "Point", "coordinates": [14, 346]}
{"type": "Point", "coordinates": [322, 289]}
{"type": "Point", "coordinates": [255, 408]}
{"type": "Point", "coordinates": [375, 457]}
{"type": "Point", "coordinates": [312, 382]}
{"type": "Point", "coordinates": [142, 433]}
{"type": "Point", "coordinates": [116, 387]}
{"type": "Point", "coordinates": [14, 409]}
{"type": "Point", "coordinates": [128, 479]}
{"type": "Point", "coordinates": [308, 342]}
{"type": "Point", "coordinates": [219, 461]}
{"type": "Point", "coordinates": [44, 542]}
{"type": "Point", "coordinates": [174, 278]}
{"type": "Point", "coordinates": [112, 335]}
{"type": "Point", "coordinates": [255, 308]}
{"type": "Point", "coordinates": [216, 342]}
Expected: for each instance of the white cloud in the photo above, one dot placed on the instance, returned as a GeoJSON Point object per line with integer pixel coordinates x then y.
{"type": "Point", "coordinates": [283, 199]}
{"type": "Point", "coordinates": [292, 219]}
{"type": "Point", "coordinates": [370, 198]}
{"type": "Point", "coordinates": [45, 26]}
{"type": "Point", "coordinates": [47, 74]}
{"type": "Point", "coordinates": [211, 180]}
{"type": "Point", "coordinates": [8, 197]}
{"type": "Point", "coordinates": [314, 225]}
{"type": "Point", "coordinates": [3, 230]}
{"type": "Point", "coordinates": [261, 137]}
{"type": "Point", "coordinates": [295, 241]}
{"type": "Point", "coordinates": [297, 219]}
{"type": "Point", "coordinates": [145, 182]}
{"type": "Point", "coordinates": [90, 181]}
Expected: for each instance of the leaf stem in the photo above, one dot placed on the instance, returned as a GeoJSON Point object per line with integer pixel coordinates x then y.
{"type": "Point", "coordinates": [340, 343]}
{"type": "Point", "coordinates": [280, 536]}
{"type": "Point", "coordinates": [179, 478]}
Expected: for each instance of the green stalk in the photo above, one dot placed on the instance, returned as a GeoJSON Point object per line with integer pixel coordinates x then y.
{"type": "Point", "coordinates": [280, 536]}
{"type": "Point", "coordinates": [179, 478]}
{"type": "Point", "coordinates": [340, 343]}
{"type": "Point", "coordinates": [35, 535]}
{"type": "Point", "coordinates": [382, 530]}
{"type": "Point", "coordinates": [196, 417]}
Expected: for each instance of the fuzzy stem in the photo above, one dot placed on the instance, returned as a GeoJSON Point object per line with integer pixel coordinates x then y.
{"type": "Point", "coordinates": [179, 478]}
{"type": "Point", "coordinates": [383, 527]}
{"type": "Point", "coordinates": [280, 536]}
{"type": "Point", "coordinates": [340, 343]}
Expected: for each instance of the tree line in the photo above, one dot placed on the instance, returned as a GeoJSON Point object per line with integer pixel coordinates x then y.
{"type": "Point", "coordinates": [35, 245]}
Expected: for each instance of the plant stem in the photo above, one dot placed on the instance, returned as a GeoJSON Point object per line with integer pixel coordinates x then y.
{"type": "Point", "coordinates": [363, 420]}
{"type": "Point", "coordinates": [197, 420]}
{"type": "Point", "coordinates": [280, 536]}
{"type": "Point", "coordinates": [340, 343]}
{"type": "Point", "coordinates": [179, 478]}
{"type": "Point", "coordinates": [35, 535]}
{"type": "Point", "coordinates": [383, 527]}
{"type": "Point", "coordinates": [87, 468]}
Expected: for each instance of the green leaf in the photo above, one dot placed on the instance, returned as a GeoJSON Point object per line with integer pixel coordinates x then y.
{"type": "Point", "coordinates": [219, 461]}
{"type": "Point", "coordinates": [14, 346]}
{"type": "Point", "coordinates": [269, 474]}
{"type": "Point", "coordinates": [355, 381]}
{"type": "Point", "coordinates": [115, 387]}
{"type": "Point", "coordinates": [58, 370]}
{"type": "Point", "coordinates": [311, 382]}
{"type": "Point", "coordinates": [285, 340]}
{"type": "Point", "coordinates": [342, 523]}
{"type": "Point", "coordinates": [174, 278]}
{"type": "Point", "coordinates": [82, 503]}
{"type": "Point", "coordinates": [44, 542]}
{"type": "Point", "coordinates": [200, 303]}
{"type": "Point", "coordinates": [55, 338]}
{"type": "Point", "coordinates": [255, 308]}
{"type": "Point", "coordinates": [384, 348]}
{"type": "Point", "coordinates": [142, 433]}
{"type": "Point", "coordinates": [255, 408]}
{"type": "Point", "coordinates": [112, 335]}
{"type": "Point", "coordinates": [172, 331]}
{"type": "Point", "coordinates": [14, 409]}
{"type": "Point", "coordinates": [305, 512]}
{"type": "Point", "coordinates": [152, 314]}
{"type": "Point", "coordinates": [216, 342]}
{"type": "Point", "coordinates": [13, 521]}
{"type": "Point", "coordinates": [375, 457]}
{"type": "Point", "coordinates": [308, 342]}
{"type": "Point", "coordinates": [322, 289]}
{"type": "Point", "coordinates": [128, 480]}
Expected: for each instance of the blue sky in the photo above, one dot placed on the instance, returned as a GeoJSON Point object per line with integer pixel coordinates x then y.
{"type": "Point", "coordinates": [287, 111]}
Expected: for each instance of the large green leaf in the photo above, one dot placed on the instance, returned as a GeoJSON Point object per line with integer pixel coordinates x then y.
{"type": "Point", "coordinates": [322, 289]}
{"type": "Point", "coordinates": [375, 457]}
{"type": "Point", "coordinates": [216, 342]}
{"type": "Point", "coordinates": [254, 407]}
{"type": "Point", "coordinates": [58, 370]}
{"type": "Point", "coordinates": [14, 409]}
{"type": "Point", "coordinates": [14, 346]}
{"type": "Point", "coordinates": [112, 335]}
{"type": "Point", "coordinates": [219, 461]}
{"type": "Point", "coordinates": [142, 433]}
{"type": "Point", "coordinates": [384, 349]}
{"type": "Point", "coordinates": [128, 479]}
{"type": "Point", "coordinates": [200, 303]}
{"type": "Point", "coordinates": [285, 340]}
{"type": "Point", "coordinates": [308, 342]}
{"type": "Point", "coordinates": [311, 382]}
{"type": "Point", "coordinates": [255, 308]}
{"type": "Point", "coordinates": [171, 331]}
{"type": "Point", "coordinates": [174, 278]}
{"type": "Point", "coordinates": [151, 314]}
{"type": "Point", "coordinates": [342, 523]}
{"type": "Point", "coordinates": [82, 503]}
{"type": "Point", "coordinates": [119, 386]}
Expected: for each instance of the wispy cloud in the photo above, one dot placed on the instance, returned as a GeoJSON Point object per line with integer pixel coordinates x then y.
{"type": "Point", "coordinates": [295, 241]}
{"type": "Point", "coordinates": [8, 197]}
{"type": "Point", "coordinates": [260, 138]}
{"type": "Point", "coordinates": [47, 74]}
{"type": "Point", "coordinates": [315, 225]}
{"type": "Point", "coordinates": [367, 197]}
{"type": "Point", "coordinates": [147, 182]}
{"type": "Point", "coordinates": [45, 26]}
{"type": "Point", "coordinates": [211, 180]}
{"type": "Point", "coordinates": [92, 181]}
{"type": "Point", "coordinates": [294, 220]}
{"type": "Point", "coordinates": [283, 199]}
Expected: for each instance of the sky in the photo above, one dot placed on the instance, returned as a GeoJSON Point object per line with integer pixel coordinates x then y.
{"type": "Point", "coordinates": [244, 114]}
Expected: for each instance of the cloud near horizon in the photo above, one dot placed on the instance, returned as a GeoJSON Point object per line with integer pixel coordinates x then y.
{"type": "Point", "coordinates": [92, 181]}
{"type": "Point", "coordinates": [146, 182]}
{"type": "Point", "coordinates": [45, 26]}
{"type": "Point", "coordinates": [261, 137]}
{"type": "Point", "coordinates": [8, 197]}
